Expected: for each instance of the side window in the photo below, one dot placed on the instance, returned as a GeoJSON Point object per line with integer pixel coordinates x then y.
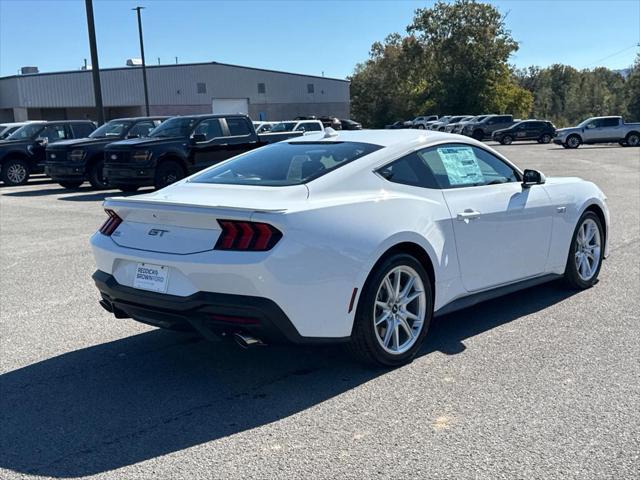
{"type": "Point", "coordinates": [610, 122]}
{"type": "Point", "coordinates": [238, 127]}
{"type": "Point", "coordinates": [209, 128]}
{"type": "Point", "coordinates": [309, 127]}
{"type": "Point", "coordinates": [53, 133]}
{"type": "Point", "coordinates": [409, 170]}
{"type": "Point", "coordinates": [141, 129]}
{"type": "Point", "coordinates": [82, 130]}
{"type": "Point", "coordinates": [456, 166]}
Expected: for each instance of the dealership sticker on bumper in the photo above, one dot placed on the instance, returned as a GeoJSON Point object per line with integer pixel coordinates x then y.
{"type": "Point", "coordinates": [151, 277]}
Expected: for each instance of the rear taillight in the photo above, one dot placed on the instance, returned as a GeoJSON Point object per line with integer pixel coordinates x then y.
{"type": "Point", "coordinates": [247, 236]}
{"type": "Point", "coordinates": [111, 224]}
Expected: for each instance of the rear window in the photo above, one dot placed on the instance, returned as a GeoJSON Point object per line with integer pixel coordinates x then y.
{"type": "Point", "coordinates": [282, 164]}
{"type": "Point", "coordinates": [238, 127]}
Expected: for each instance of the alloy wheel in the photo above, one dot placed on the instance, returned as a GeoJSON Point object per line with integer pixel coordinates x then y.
{"type": "Point", "coordinates": [16, 173]}
{"type": "Point", "coordinates": [633, 140]}
{"type": "Point", "coordinates": [399, 310]}
{"type": "Point", "coordinates": [587, 249]}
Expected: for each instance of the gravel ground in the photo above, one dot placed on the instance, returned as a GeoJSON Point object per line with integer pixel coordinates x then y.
{"type": "Point", "coordinates": [544, 383]}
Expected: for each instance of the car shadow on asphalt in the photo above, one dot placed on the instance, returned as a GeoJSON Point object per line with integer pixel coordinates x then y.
{"type": "Point", "coordinates": [78, 195]}
{"type": "Point", "coordinates": [119, 403]}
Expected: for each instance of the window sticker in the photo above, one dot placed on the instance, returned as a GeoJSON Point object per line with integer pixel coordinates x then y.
{"type": "Point", "coordinates": [461, 165]}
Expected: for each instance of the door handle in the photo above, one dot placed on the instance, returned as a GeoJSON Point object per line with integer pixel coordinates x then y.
{"type": "Point", "coordinates": [468, 215]}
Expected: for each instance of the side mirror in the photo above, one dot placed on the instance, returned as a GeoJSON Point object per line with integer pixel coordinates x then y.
{"type": "Point", "coordinates": [532, 177]}
{"type": "Point", "coordinates": [198, 137]}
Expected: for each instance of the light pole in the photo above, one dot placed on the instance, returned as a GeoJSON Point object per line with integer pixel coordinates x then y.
{"type": "Point", "coordinates": [95, 68]}
{"type": "Point", "coordinates": [144, 65]}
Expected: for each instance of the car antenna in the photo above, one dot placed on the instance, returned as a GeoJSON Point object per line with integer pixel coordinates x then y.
{"type": "Point", "coordinates": [329, 132]}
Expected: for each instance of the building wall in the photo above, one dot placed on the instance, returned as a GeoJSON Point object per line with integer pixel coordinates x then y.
{"type": "Point", "coordinates": [175, 90]}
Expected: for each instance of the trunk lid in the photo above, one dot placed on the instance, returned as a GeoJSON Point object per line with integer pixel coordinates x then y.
{"type": "Point", "coordinates": [183, 219]}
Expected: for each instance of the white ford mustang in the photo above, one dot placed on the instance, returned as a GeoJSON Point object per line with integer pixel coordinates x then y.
{"type": "Point", "coordinates": [357, 236]}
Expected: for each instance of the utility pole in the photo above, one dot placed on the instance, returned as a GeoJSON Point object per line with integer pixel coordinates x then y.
{"type": "Point", "coordinates": [95, 68]}
{"type": "Point", "coordinates": [144, 65]}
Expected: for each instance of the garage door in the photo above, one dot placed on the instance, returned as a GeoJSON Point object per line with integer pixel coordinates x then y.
{"type": "Point", "coordinates": [231, 105]}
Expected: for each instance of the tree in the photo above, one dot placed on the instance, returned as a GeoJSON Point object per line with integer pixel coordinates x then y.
{"type": "Point", "coordinates": [454, 60]}
{"type": "Point", "coordinates": [633, 92]}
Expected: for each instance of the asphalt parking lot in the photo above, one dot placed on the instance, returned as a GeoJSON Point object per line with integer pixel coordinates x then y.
{"type": "Point", "coordinates": [544, 383]}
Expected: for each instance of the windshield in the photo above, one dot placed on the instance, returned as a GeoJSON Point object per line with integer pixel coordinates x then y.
{"type": "Point", "coordinates": [112, 129]}
{"type": "Point", "coordinates": [26, 131]}
{"type": "Point", "coordinates": [174, 127]}
{"type": "Point", "coordinates": [7, 132]}
{"type": "Point", "coordinates": [282, 164]}
{"type": "Point", "coordinates": [283, 127]}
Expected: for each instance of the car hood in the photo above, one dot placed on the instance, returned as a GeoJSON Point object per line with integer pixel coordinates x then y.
{"type": "Point", "coordinates": [560, 131]}
{"type": "Point", "coordinates": [80, 142]}
{"type": "Point", "coordinates": [142, 142]}
{"type": "Point", "coordinates": [14, 143]}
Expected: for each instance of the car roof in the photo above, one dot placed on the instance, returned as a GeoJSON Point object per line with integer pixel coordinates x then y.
{"type": "Point", "coordinates": [137, 119]}
{"type": "Point", "coordinates": [384, 138]}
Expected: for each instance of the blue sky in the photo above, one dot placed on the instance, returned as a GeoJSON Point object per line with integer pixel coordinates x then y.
{"type": "Point", "coordinates": [301, 36]}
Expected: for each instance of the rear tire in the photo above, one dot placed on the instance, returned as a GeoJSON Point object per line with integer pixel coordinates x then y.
{"type": "Point", "coordinates": [573, 141]}
{"type": "Point", "coordinates": [393, 314]}
{"type": "Point", "coordinates": [96, 178]}
{"type": "Point", "coordinates": [420, 127]}
{"type": "Point", "coordinates": [546, 138]}
{"type": "Point", "coordinates": [506, 140]}
{"type": "Point", "coordinates": [585, 253]}
{"type": "Point", "coordinates": [71, 184]}
{"type": "Point", "coordinates": [633, 139]}
{"type": "Point", "coordinates": [15, 171]}
{"type": "Point", "coordinates": [168, 172]}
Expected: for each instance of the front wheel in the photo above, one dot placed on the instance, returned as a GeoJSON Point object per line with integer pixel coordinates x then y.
{"type": "Point", "coordinates": [573, 141]}
{"type": "Point", "coordinates": [167, 173]}
{"type": "Point", "coordinates": [96, 177]}
{"type": "Point", "coordinates": [478, 135]}
{"type": "Point", "coordinates": [15, 172]}
{"type": "Point", "coordinates": [393, 314]}
{"type": "Point", "coordinates": [586, 252]}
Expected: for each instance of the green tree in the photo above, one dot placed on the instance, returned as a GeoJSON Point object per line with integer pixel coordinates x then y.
{"type": "Point", "coordinates": [454, 60]}
{"type": "Point", "coordinates": [633, 92]}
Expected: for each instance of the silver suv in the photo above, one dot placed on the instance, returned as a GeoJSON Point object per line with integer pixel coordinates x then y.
{"type": "Point", "coordinates": [599, 130]}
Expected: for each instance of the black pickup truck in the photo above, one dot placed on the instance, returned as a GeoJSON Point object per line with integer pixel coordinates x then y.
{"type": "Point", "coordinates": [179, 147]}
{"type": "Point", "coordinates": [71, 162]}
{"type": "Point", "coordinates": [23, 152]}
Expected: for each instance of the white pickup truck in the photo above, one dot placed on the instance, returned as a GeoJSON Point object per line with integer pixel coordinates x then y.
{"type": "Point", "coordinates": [599, 130]}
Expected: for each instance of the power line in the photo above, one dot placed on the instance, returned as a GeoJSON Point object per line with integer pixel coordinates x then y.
{"type": "Point", "coordinates": [613, 54]}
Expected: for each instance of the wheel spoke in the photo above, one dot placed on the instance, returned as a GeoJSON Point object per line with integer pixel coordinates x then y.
{"type": "Point", "coordinates": [396, 288]}
{"type": "Point", "coordinates": [383, 318]}
{"type": "Point", "coordinates": [388, 287]}
{"type": "Point", "coordinates": [411, 298]}
{"type": "Point", "coordinates": [407, 288]}
{"type": "Point", "coordinates": [388, 334]}
{"type": "Point", "coordinates": [396, 335]}
{"type": "Point", "coordinates": [383, 305]}
{"type": "Point", "coordinates": [405, 326]}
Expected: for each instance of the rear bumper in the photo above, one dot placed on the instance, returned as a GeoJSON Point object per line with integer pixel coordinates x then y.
{"type": "Point", "coordinates": [219, 313]}
{"type": "Point", "coordinates": [128, 175]}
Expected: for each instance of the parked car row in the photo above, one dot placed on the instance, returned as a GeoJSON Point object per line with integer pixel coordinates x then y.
{"type": "Point", "coordinates": [129, 153]}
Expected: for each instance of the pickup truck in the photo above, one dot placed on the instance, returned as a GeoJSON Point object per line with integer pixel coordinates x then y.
{"type": "Point", "coordinates": [599, 130]}
{"type": "Point", "coordinates": [71, 162]}
{"type": "Point", "coordinates": [179, 147]}
{"type": "Point", "coordinates": [23, 152]}
{"type": "Point", "coordinates": [484, 128]}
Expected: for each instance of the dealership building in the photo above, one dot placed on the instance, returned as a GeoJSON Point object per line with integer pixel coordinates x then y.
{"type": "Point", "coordinates": [173, 90]}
